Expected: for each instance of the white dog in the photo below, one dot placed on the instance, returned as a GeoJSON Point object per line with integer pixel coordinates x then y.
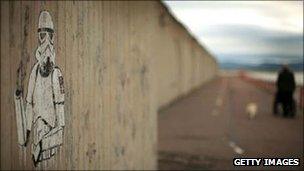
{"type": "Point", "coordinates": [251, 110]}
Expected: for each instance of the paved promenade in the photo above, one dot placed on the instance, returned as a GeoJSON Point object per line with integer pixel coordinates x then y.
{"type": "Point", "coordinates": [209, 127]}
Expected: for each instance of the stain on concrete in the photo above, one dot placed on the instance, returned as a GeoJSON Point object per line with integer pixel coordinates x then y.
{"type": "Point", "coordinates": [119, 151]}
{"type": "Point", "coordinates": [101, 66]}
{"type": "Point", "coordinates": [161, 19]}
{"type": "Point", "coordinates": [87, 119]}
{"type": "Point", "coordinates": [123, 79]}
{"type": "Point", "coordinates": [91, 151]}
{"type": "Point", "coordinates": [133, 131]}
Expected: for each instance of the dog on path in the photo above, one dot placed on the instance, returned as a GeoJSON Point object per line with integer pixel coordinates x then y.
{"type": "Point", "coordinates": [251, 110]}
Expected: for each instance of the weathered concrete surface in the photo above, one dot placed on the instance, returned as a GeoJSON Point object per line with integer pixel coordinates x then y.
{"type": "Point", "coordinates": [195, 132]}
{"type": "Point", "coordinates": [184, 65]}
{"type": "Point", "coordinates": [120, 60]}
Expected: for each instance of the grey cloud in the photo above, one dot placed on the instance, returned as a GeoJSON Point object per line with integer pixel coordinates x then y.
{"type": "Point", "coordinates": [280, 45]}
{"type": "Point", "coordinates": [243, 30]}
{"type": "Point", "coordinates": [255, 36]}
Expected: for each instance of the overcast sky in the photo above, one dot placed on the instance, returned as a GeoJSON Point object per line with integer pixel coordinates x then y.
{"type": "Point", "coordinates": [245, 31]}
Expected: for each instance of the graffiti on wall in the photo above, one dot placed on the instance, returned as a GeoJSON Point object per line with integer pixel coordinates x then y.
{"type": "Point", "coordinates": [41, 114]}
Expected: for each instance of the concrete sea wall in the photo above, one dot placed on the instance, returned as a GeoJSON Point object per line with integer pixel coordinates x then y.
{"type": "Point", "coordinates": [121, 62]}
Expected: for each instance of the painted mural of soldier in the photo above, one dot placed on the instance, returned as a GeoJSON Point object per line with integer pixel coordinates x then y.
{"type": "Point", "coordinates": [43, 110]}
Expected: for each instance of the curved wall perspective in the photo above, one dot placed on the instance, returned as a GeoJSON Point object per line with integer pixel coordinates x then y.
{"type": "Point", "coordinates": [121, 62]}
{"type": "Point", "coordinates": [181, 63]}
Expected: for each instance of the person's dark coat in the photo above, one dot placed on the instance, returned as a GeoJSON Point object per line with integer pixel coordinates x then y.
{"type": "Point", "coordinates": [285, 88]}
{"type": "Point", "coordinates": [286, 81]}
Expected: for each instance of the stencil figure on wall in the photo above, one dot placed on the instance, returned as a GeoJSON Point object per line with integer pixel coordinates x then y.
{"type": "Point", "coordinates": [43, 111]}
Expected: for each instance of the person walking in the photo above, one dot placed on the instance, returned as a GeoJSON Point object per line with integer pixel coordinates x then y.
{"type": "Point", "coordinates": [285, 85]}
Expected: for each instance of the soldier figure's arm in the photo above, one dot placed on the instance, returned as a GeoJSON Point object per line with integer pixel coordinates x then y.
{"type": "Point", "coordinates": [29, 101]}
{"type": "Point", "coordinates": [58, 89]}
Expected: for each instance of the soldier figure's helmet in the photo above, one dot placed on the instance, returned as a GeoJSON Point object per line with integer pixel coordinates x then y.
{"type": "Point", "coordinates": [45, 22]}
{"type": "Point", "coordinates": [46, 37]}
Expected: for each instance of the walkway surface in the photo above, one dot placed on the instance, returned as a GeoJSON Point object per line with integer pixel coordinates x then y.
{"type": "Point", "coordinates": [210, 127]}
